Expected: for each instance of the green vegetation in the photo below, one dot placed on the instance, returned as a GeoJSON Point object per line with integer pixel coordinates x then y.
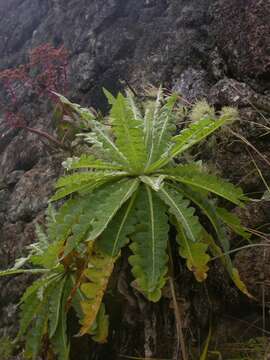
{"type": "Point", "coordinates": [6, 347]}
{"type": "Point", "coordinates": [127, 190]}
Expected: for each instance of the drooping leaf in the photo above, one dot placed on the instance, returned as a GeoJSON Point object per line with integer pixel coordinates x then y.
{"type": "Point", "coordinates": [35, 334]}
{"type": "Point", "coordinates": [233, 222]}
{"type": "Point", "coordinates": [100, 328]}
{"type": "Point", "coordinates": [195, 254]}
{"type": "Point", "coordinates": [55, 302]}
{"type": "Point", "coordinates": [239, 283]}
{"type": "Point", "coordinates": [183, 212]}
{"type": "Point", "coordinates": [149, 245]}
{"type": "Point", "coordinates": [97, 275]}
{"type": "Point", "coordinates": [29, 309]}
{"type": "Point", "coordinates": [59, 340]}
{"type": "Point", "coordinates": [209, 210]}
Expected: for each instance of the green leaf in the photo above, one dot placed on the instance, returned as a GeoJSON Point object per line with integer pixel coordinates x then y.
{"type": "Point", "coordinates": [49, 258]}
{"type": "Point", "coordinates": [90, 162]}
{"type": "Point", "coordinates": [59, 340]}
{"type": "Point", "coordinates": [107, 202]}
{"type": "Point", "coordinates": [210, 211]}
{"type": "Point", "coordinates": [114, 237]}
{"type": "Point", "coordinates": [163, 126]}
{"type": "Point", "coordinates": [111, 99]}
{"type": "Point", "coordinates": [149, 245]}
{"type": "Point", "coordinates": [84, 182]}
{"type": "Point", "coordinates": [55, 302]}
{"type": "Point", "coordinates": [35, 334]}
{"type": "Point", "coordinates": [194, 133]}
{"type": "Point", "coordinates": [192, 175]}
{"type": "Point", "coordinates": [104, 144]}
{"type": "Point", "coordinates": [150, 120]}
{"type": "Point", "coordinates": [183, 212]}
{"type": "Point", "coordinates": [99, 135]}
{"type": "Point", "coordinates": [22, 271]}
{"type": "Point", "coordinates": [29, 309]}
{"type": "Point", "coordinates": [155, 182]}
{"type": "Point", "coordinates": [233, 222]}
{"type": "Point", "coordinates": [128, 130]}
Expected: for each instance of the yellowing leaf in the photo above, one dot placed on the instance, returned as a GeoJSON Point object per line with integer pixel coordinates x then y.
{"type": "Point", "coordinates": [97, 276]}
{"type": "Point", "coordinates": [239, 283]}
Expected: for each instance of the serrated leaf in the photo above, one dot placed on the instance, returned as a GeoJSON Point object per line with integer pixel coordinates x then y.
{"type": "Point", "coordinates": [55, 302]}
{"type": "Point", "coordinates": [35, 334]}
{"type": "Point", "coordinates": [114, 237]}
{"type": "Point", "coordinates": [99, 135]}
{"type": "Point", "coordinates": [150, 119]}
{"type": "Point", "coordinates": [83, 182]}
{"type": "Point", "coordinates": [90, 162]}
{"type": "Point", "coordinates": [128, 130]}
{"type": "Point", "coordinates": [97, 275]}
{"type": "Point", "coordinates": [110, 201]}
{"type": "Point", "coordinates": [100, 328]}
{"type": "Point", "coordinates": [194, 133]}
{"type": "Point", "coordinates": [163, 126]}
{"type": "Point", "coordinates": [60, 342]}
{"type": "Point", "coordinates": [209, 210]}
{"type": "Point", "coordinates": [183, 212]}
{"type": "Point", "coordinates": [192, 175]}
{"type": "Point", "coordinates": [149, 245]}
{"type": "Point", "coordinates": [195, 254]}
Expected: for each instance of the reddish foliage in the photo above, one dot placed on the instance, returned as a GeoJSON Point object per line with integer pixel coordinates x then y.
{"type": "Point", "coordinates": [46, 71]}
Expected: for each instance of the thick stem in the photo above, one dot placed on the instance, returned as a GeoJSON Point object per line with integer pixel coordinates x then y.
{"type": "Point", "coordinates": [47, 136]}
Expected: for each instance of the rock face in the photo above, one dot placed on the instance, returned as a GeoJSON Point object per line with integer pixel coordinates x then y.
{"type": "Point", "coordinates": [203, 48]}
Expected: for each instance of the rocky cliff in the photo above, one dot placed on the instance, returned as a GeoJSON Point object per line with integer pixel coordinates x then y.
{"type": "Point", "coordinates": [215, 49]}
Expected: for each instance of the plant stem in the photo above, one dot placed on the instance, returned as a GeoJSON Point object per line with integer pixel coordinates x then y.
{"type": "Point", "coordinates": [47, 136]}
{"type": "Point", "coordinates": [177, 314]}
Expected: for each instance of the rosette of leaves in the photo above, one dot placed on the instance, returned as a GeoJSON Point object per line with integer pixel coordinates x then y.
{"type": "Point", "coordinates": [127, 191]}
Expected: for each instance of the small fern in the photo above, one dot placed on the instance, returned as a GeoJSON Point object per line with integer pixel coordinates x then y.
{"type": "Point", "coordinates": [130, 192]}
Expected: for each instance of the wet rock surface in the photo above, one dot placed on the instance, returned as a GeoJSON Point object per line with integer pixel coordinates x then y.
{"type": "Point", "coordinates": [202, 49]}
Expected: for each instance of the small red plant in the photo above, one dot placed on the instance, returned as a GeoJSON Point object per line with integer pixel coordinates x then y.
{"type": "Point", "coordinates": [43, 74]}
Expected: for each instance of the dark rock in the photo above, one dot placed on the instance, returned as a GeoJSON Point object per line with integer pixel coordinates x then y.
{"type": "Point", "coordinates": [230, 92]}
{"type": "Point", "coordinates": [14, 177]}
{"type": "Point", "coordinates": [192, 85]}
{"type": "Point", "coordinates": [32, 192]}
{"type": "Point", "coordinates": [241, 28]}
{"type": "Point", "coordinates": [4, 197]}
